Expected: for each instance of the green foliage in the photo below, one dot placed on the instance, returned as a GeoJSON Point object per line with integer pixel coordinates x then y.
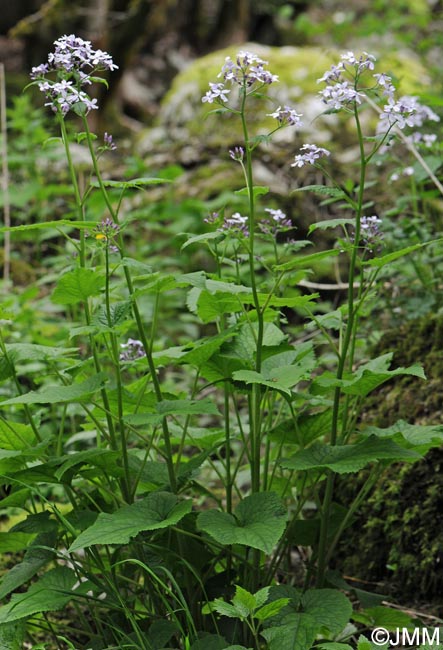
{"type": "Point", "coordinates": [159, 475]}
{"type": "Point", "coordinates": [158, 510]}
{"type": "Point", "coordinates": [259, 522]}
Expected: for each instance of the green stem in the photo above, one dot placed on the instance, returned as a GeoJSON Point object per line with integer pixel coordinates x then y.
{"type": "Point", "coordinates": [138, 318]}
{"type": "Point", "coordinates": [255, 399]}
{"type": "Point", "coordinates": [349, 337]}
{"type": "Point", "coordinates": [126, 480]}
{"type": "Point", "coordinates": [81, 213]}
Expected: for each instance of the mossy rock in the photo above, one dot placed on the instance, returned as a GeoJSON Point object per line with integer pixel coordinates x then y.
{"type": "Point", "coordinates": [397, 539]}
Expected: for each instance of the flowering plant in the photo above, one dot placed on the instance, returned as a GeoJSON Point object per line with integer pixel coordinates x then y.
{"type": "Point", "coordinates": [187, 471]}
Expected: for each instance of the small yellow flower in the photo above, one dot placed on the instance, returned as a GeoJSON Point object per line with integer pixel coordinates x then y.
{"type": "Point", "coordinates": [100, 236]}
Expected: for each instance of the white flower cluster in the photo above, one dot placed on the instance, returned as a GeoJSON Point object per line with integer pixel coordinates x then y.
{"type": "Point", "coordinates": [248, 69]}
{"type": "Point", "coordinates": [276, 223]}
{"type": "Point", "coordinates": [75, 61]}
{"type": "Point", "coordinates": [287, 115]}
{"type": "Point", "coordinates": [407, 111]}
{"type": "Point", "coordinates": [340, 93]}
{"type": "Point", "coordinates": [337, 96]}
{"type": "Point", "coordinates": [64, 95]}
{"type": "Point", "coordinates": [236, 222]}
{"type": "Point", "coordinates": [311, 153]}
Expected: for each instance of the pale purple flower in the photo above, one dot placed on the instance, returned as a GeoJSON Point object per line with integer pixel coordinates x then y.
{"type": "Point", "coordinates": [218, 92]}
{"type": "Point", "coordinates": [105, 232]}
{"type": "Point", "coordinates": [277, 223]}
{"type": "Point", "coordinates": [370, 233]}
{"type": "Point", "coordinates": [132, 350]}
{"type": "Point", "coordinates": [339, 95]}
{"type": "Point", "coordinates": [311, 153]}
{"type": "Point", "coordinates": [236, 222]}
{"type": "Point", "coordinates": [73, 53]}
{"type": "Point", "coordinates": [348, 60]}
{"type": "Point", "coordinates": [63, 95]}
{"type": "Point", "coordinates": [237, 153]}
{"type": "Point", "coordinates": [287, 115]}
{"type": "Point", "coordinates": [247, 69]}
{"type": "Point", "coordinates": [39, 71]}
{"type": "Point", "coordinates": [74, 61]}
{"type": "Point", "coordinates": [212, 218]}
{"type": "Point", "coordinates": [399, 113]}
{"type": "Point", "coordinates": [429, 139]}
{"type": "Point", "coordinates": [364, 62]}
{"type": "Point", "coordinates": [334, 74]}
{"type": "Point", "coordinates": [407, 111]}
{"type": "Point", "coordinates": [277, 215]}
{"type": "Point", "coordinates": [109, 141]}
{"type": "Point", "coordinates": [385, 82]}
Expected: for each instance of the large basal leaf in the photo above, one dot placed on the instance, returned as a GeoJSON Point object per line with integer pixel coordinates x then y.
{"type": "Point", "coordinates": [118, 314]}
{"type": "Point", "coordinates": [158, 510]}
{"type": "Point", "coordinates": [348, 458]}
{"type": "Point", "coordinates": [210, 642]}
{"type": "Point", "coordinates": [203, 350]}
{"type": "Point", "coordinates": [322, 610]}
{"type": "Point", "coordinates": [298, 632]}
{"type": "Point", "coordinates": [77, 286]}
{"type": "Point", "coordinates": [60, 394]}
{"type": "Point", "coordinates": [209, 306]}
{"type": "Point", "coordinates": [329, 607]}
{"type": "Point", "coordinates": [281, 379]}
{"type": "Point", "coordinates": [52, 592]}
{"type": "Point", "coordinates": [259, 522]}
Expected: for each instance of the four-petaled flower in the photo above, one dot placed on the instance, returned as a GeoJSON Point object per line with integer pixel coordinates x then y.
{"type": "Point", "coordinates": [287, 115]}
{"type": "Point", "coordinates": [217, 92]}
{"type": "Point", "coordinates": [311, 153]}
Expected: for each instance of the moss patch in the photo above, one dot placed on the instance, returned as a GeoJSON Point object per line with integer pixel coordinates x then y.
{"type": "Point", "coordinates": [398, 537]}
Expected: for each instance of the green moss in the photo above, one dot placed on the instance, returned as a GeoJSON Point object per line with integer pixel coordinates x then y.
{"type": "Point", "coordinates": [398, 537]}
